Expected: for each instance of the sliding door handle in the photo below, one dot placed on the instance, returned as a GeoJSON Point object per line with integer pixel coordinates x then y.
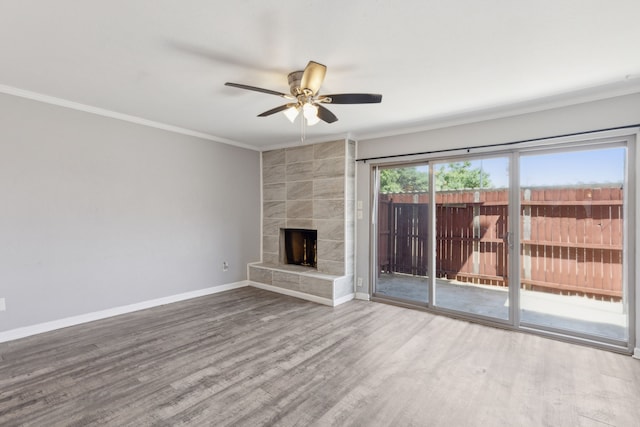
{"type": "Point", "coordinates": [508, 239]}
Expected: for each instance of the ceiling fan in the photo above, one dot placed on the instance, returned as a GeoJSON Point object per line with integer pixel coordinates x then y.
{"type": "Point", "coordinates": [304, 86]}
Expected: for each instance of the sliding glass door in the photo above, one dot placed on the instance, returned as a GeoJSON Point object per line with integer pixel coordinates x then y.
{"type": "Point", "coordinates": [403, 233]}
{"type": "Point", "coordinates": [533, 237]}
{"type": "Point", "coordinates": [572, 239]}
{"type": "Point", "coordinates": [472, 236]}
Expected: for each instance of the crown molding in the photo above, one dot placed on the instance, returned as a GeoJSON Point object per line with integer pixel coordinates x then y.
{"type": "Point", "coordinates": [630, 85]}
{"type": "Point", "coordinates": [60, 102]}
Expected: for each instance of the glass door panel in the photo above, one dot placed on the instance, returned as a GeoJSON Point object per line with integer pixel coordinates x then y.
{"type": "Point", "coordinates": [472, 236]}
{"type": "Point", "coordinates": [402, 233]}
{"type": "Point", "coordinates": [571, 249]}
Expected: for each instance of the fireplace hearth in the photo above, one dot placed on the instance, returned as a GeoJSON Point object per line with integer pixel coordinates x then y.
{"type": "Point", "coordinates": [300, 246]}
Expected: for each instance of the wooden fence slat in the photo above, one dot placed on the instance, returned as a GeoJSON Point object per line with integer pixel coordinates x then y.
{"type": "Point", "coordinates": [575, 242]}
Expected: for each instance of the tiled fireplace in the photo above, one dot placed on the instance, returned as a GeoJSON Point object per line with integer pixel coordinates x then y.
{"type": "Point", "coordinates": [310, 188]}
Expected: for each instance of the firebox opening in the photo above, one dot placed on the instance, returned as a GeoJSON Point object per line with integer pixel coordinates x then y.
{"type": "Point", "coordinates": [300, 246]}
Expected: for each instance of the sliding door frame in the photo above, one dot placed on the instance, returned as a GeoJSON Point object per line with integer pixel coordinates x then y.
{"type": "Point", "coordinates": [622, 137]}
{"type": "Point", "coordinates": [373, 235]}
{"type": "Point", "coordinates": [628, 247]}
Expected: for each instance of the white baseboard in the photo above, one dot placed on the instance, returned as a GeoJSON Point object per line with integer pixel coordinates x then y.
{"type": "Point", "coordinates": [26, 331]}
{"type": "Point", "coordinates": [39, 328]}
{"type": "Point", "coordinates": [343, 299]}
{"type": "Point", "coordinates": [301, 295]}
{"type": "Point", "coordinates": [636, 353]}
{"type": "Point", "coordinates": [362, 296]}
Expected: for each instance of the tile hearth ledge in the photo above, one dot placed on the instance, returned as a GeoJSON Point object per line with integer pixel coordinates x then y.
{"type": "Point", "coordinates": [301, 282]}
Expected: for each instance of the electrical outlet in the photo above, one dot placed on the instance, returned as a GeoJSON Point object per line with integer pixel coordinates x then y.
{"type": "Point", "coordinates": [359, 282]}
{"type": "Point", "coordinates": [225, 266]}
{"type": "Point", "coordinates": [3, 305]}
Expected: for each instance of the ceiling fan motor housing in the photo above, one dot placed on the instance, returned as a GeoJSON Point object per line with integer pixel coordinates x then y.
{"type": "Point", "coordinates": [295, 79]}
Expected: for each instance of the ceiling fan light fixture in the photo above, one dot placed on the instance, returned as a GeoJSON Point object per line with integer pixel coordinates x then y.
{"type": "Point", "coordinates": [310, 113]}
{"type": "Point", "coordinates": [291, 113]}
{"type": "Point", "coordinates": [314, 120]}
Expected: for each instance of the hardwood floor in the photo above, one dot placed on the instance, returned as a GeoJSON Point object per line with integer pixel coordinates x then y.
{"type": "Point", "coordinates": [251, 357]}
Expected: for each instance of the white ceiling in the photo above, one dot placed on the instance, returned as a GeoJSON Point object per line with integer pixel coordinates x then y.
{"type": "Point", "coordinates": [433, 61]}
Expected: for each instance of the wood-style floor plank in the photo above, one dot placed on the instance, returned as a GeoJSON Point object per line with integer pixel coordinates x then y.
{"type": "Point", "coordinates": [251, 357]}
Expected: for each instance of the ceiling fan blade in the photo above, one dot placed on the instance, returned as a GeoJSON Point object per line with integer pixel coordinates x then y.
{"type": "Point", "coordinates": [313, 77]}
{"type": "Point", "coordinates": [326, 115]}
{"type": "Point", "coordinates": [276, 110]}
{"type": "Point", "coordinates": [257, 89]}
{"type": "Point", "coordinates": [353, 98]}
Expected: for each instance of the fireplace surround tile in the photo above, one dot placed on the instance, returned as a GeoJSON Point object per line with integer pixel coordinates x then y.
{"type": "Point", "coordinates": [271, 258]}
{"type": "Point", "coordinates": [302, 209]}
{"type": "Point", "coordinates": [331, 250]}
{"type": "Point", "coordinates": [335, 268]}
{"type": "Point", "coordinates": [329, 150]}
{"type": "Point", "coordinates": [274, 209]}
{"type": "Point", "coordinates": [316, 286]}
{"type": "Point", "coordinates": [271, 227]}
{"type": "Point", "coordinates": [271, 244]}
{"type": "Point", "coordinates": [332, 188]}
{"type": "Point", "coordinates": [302, 171]}
{"type": "Point", "coordinates": [329, 209]}
{"type": "Point", "coordinates": [299, 190]}
{"type": "Point", "coordinates": [299, 154]}
{"type": "Point", "coordinates": [309, 187]}
{"type": "Point", "coordinates": [261, 275]}
{"type": "Point", "coordinates": [286, 280]}
{"type": "Point", "coordinates": [272, 174]}
{"type": "Point", "coordinates": [276, 191]}
{"type": "Point", "coordinates": [331, 229]}
{"type": "Point", "coordinates": [273, 157]}
{"type": "Point", "coordinates": [329, 168]}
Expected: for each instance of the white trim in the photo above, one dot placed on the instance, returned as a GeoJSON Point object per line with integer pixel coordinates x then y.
{"type": "Point", "coordinates": [636, 353]}
{"type": "Point", "coordinates": [289, 292]}
{"type": "Point", "coordinates": [362, 296]}
{"type": "Point", "coordinates": [343, 299]}
{"type": "Point", "coordinates": [60, 102]}
{"type": "Point", "coordinates": [26, 331]}
{"type": "Point", "coordinates": [261, 213]}
{"type": "Point", "coordinates": [628, 86]}
{"type": "Point", "coordinates": [355, 216]}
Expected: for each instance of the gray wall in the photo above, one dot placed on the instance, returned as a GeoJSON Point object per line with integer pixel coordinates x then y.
{"type": "Point", "coordinates": [97, 213]}
{"type": "Point", "coordinates": [612, 112]}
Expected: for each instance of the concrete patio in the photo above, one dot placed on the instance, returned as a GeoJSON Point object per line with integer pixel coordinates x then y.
{"type": "Point", "coordinates": [566, 312]}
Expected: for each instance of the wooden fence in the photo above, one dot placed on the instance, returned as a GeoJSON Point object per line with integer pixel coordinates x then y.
{"type": "Point", "coordinates": [571, 238]}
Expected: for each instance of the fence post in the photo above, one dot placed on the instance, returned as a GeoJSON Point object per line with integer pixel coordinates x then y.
{"type": "Point", "coordinates": [392, 236]}
{"type": "Point", "coordinates": [526, 235]}
{"type": "Point", "coordinates": [476, 232]}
